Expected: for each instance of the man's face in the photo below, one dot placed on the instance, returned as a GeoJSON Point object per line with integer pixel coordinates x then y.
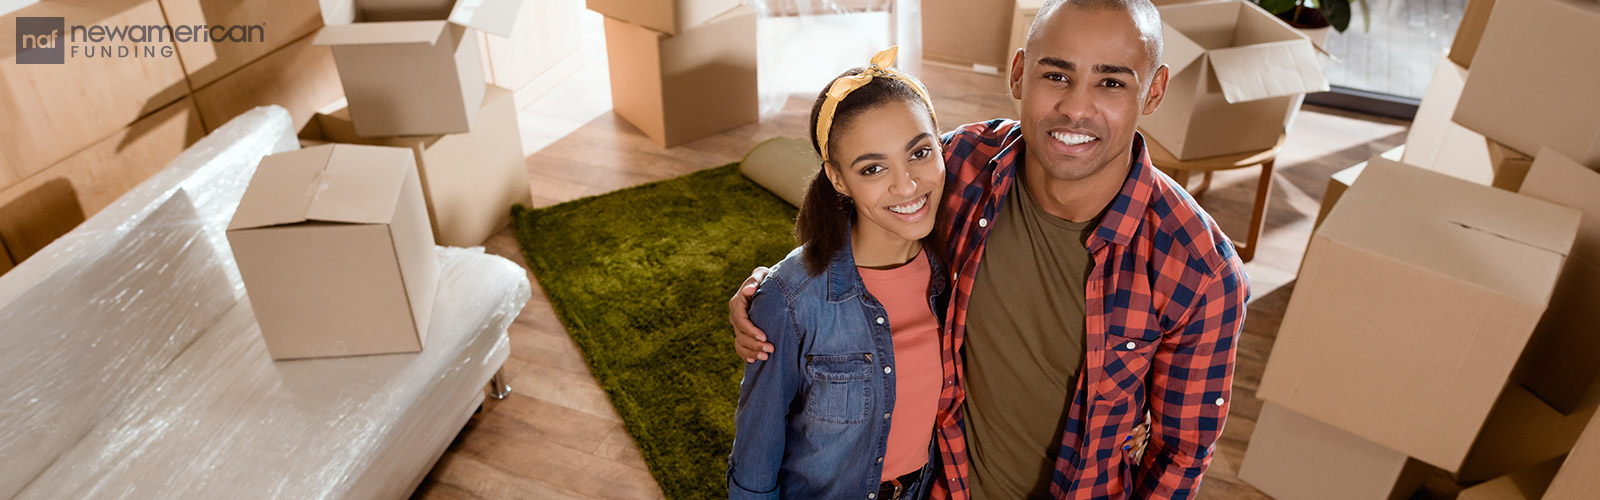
{"type": "Point", "coordinates": [1084, 80]}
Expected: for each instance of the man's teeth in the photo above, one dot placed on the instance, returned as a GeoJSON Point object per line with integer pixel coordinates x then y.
{"type": "Point", "coordinates": [910, 208]}
{"type": "Point", "coordinates": [1071, 139]}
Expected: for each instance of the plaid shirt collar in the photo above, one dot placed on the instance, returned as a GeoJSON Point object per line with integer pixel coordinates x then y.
{"type": "Point", "coordinates": [1127, 210]}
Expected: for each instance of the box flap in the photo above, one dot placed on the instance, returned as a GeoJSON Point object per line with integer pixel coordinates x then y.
{"type": "Point", "coordinates": [337, 12]}
{"type": "Point", "coordinates": [1268, 70]}
{"type": "Point", "coordinates": [360, 185]}
{"type": "Point", "coordinates": [422, 32]}
{"type": "Point", "coordinates": [1558, 179]}
{"type": "Point", "coordinates": [281, 189]}
{"type": "Point", "coordinates": [494, 16]}
{"type": "Point", "coordinates": [1178, 50]}
{"type": "Point", "coordinates": [1432, 122]}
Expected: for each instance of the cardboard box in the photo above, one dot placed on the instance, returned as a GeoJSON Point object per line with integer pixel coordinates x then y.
{"type": "Point", "coordinates": [1340, 181]}
{"type": "Point", "coordinates": [334, 249]}
{"type": "Point", "coordinates": [1559, 364]}
{"type": "Point", "coordinates": [1295, 457]}
{"type": "Point", "coordinates": [43, 207]}
{"type": "Point", "coordinates": [1413, 304]}
{"type": "Point", "coordinates": [443, 81]}
{"type": "Point", "coordinates": [1577, 479]}
{"type": "Point", "coordinates": [1554, 36]}
{"type": "Point", "coordinates": [1527, 484]}
{"type": "Point", "coordinates": [471, 180]}
{"type": "Point", "coordinates": [301, 77]}
{"type": "Point", "coordinates": [1021, 20]}
{"type": "Point", "coordinates": [546, 34]}
{"type": "Point", "coordinates": [1238, 75]}
{"type": "Point", "coordinates": [1470, 32]}
{"type": "Point", "coordinates": [968, 33]}
{"type": "Point", "coordinates": [672, 17]}
{"type": "Point", "coordinates": [51, 111]}
{"type": "Point", "coordinates": [281, 23]}
{"type": "Point", "coordinates": [1439, 144]}
{"type": "Point", "coordinates": [5, 259]}
{"type": "Point", "coordinates": [1521, 431]}
{"type": "Point", "coordinates": [680, 88]}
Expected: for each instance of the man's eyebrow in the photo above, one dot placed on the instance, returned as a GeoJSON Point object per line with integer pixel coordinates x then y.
{"type": "Point", "coordinates": [1112, 68]}
{"type": "Point", "coordinates": [1058, 63]}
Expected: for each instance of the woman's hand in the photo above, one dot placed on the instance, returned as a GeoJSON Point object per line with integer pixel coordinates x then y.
{"type": "Point", "coordinates": [1136, 441]}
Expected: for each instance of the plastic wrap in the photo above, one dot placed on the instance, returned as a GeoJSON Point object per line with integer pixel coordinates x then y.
{"type": "Point", "coordinates": [133, 368]}
{"type": "Point", "coordinates": [802, 44]}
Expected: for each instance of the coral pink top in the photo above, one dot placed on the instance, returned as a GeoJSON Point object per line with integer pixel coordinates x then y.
{"type": "Point", "coordinates": [903, 291]}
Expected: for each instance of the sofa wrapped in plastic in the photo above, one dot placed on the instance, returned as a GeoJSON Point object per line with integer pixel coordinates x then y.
{"type": "Point", "coordinates": [131, 365]}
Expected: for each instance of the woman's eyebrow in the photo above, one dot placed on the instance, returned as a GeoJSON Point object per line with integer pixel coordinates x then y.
{"type": "Point", "coordinates": [868, 156]}
{"type": "Point", "coordinates": [914, 140]}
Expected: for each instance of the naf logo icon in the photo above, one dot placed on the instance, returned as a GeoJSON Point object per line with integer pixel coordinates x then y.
{"type": "Point", "coordinates": [39, 40]}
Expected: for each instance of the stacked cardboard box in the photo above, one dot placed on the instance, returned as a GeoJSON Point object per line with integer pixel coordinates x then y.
{"type": "Point", "coordinates": [1555, 38]}
{"type": "Point", "coordinates": [1238, 76]}
{"type": "Point", "coordinates": [1415, 301]}
{"type": "Point", "coordinates": [461, 131]}
{"type": "Point", "coordinates": [681, 69]}
{"type": "Point", "coordinates": [1438, 143]}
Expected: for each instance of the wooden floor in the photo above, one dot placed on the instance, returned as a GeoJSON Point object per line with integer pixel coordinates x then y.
{"type": "Point", "coordinates": [557, 436]}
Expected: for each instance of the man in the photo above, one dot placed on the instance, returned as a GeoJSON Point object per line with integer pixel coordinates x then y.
{"type": "Point", "coordinates": [1091, 292]}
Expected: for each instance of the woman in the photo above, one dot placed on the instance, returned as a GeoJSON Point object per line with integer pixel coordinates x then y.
{"type": "Point", "coordinates": [844, 407]}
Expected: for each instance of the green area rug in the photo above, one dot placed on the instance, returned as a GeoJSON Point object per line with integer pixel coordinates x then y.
{"type": "Point", "coordinates": [641, 278]}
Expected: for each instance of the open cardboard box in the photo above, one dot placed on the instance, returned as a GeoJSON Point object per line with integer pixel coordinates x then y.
{"type": "Point", "coordinates": [672, 17]}
{"type": "Point", "coordinates": [1237, 78]}
{"type": "Point", "coordinates": [470, 180]}
{"type": "Point", "coordinates": [1437, 143]}
{"type": "Point", "coordinates": [333, 245]}
{"type": "Point", "coordinates": [680, 88]}
{"type": "Point", "coordinates": [1414, 303]}
{"type": "Point", "coordinates": [1528, 76]}
{"type": "Point", "coordinates": [412, 68]}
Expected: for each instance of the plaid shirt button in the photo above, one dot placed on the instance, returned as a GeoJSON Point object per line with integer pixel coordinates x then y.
{"type": "Point", "coordinates": [1219, 401]}
{"type": "Point", "coordinates": [983, 222]}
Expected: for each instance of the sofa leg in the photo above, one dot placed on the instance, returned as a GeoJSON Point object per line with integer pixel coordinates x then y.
{"type": "Point", "coordinates": [498, 388]}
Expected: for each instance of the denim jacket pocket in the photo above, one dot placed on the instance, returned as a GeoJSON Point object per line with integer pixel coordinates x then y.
{"type": "Point", "coordinates": [840, 391]}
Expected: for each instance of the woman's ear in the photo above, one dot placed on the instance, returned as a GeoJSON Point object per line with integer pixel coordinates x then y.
{"type": "Point", "coordinates": [836, 178]}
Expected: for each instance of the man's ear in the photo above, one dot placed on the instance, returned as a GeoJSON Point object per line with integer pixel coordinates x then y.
{"type": "Point", "coordinates": [1016, 73]}
{"type": "Point", "coordinates": [1158, 90]}
{"type": "Point", "coordinates": [835, 177]}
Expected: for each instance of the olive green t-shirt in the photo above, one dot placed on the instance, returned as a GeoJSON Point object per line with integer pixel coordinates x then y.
{"type": "Point", "coordinates": [1024, 347]}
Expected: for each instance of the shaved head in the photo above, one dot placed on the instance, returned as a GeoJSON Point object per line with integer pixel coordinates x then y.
{"type": "Point", "coordinates": [1145, 17]}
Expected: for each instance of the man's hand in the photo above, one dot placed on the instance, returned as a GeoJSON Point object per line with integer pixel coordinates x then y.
{"type": "Point", "coordinates": [750, 341]}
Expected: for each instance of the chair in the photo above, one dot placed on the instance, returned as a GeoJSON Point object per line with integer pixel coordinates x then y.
{"type": "Point", "coordinates": [1180, 171]}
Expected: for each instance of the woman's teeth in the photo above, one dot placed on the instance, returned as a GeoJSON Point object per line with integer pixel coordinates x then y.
{"type": "Point", "coordinates": [1071, 139]}
{"type": "Point", "coordinates": [910, 208]}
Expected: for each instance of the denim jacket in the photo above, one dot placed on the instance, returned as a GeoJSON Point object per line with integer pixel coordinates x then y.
{"type": "Point", "coordinates": [813, 419]}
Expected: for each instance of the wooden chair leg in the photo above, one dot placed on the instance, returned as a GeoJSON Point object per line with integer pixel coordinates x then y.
{"type": "Point", "coordinates": [1182, 177]}
{"type": "Point", "coordinates": [1258, 213]}
{"type": "Point", "coordinates": [1205, 186]}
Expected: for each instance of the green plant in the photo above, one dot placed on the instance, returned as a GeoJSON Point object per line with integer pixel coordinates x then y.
{"type": "Point", "coordinates": [1336, 12]}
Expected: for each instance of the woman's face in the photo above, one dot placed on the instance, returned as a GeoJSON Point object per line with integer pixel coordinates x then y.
{"type": "Point", "coordinates": [887, 160]}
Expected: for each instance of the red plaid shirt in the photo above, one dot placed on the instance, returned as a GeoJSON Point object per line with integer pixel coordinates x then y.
{"type": "Point", "coordinates": [1165, 301]}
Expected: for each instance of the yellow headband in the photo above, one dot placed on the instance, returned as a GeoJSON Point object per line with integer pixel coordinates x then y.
{"type": "Point", "coordinates": [845, 85]}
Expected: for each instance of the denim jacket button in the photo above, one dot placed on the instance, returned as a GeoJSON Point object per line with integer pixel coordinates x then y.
{"type": "Point", "coordinates": [880, 320]}
{"type": "Point", "coordinates": [887, 369]}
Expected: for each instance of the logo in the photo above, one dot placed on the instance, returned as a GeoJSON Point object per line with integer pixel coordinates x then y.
{"type": "Point", "coordinates": [40, 40]}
